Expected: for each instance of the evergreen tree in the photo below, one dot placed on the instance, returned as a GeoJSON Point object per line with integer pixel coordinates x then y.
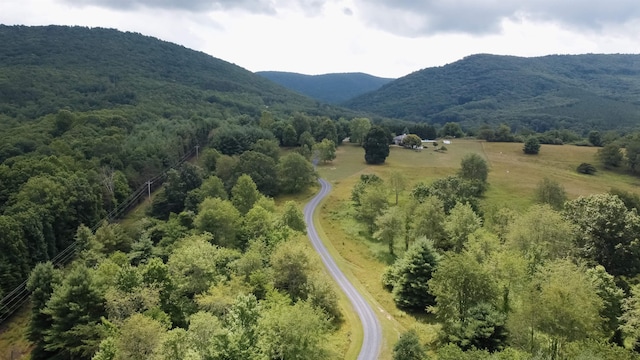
{"type": "Point", "coordinates": [75, 308]}
{"type": "Point", "coordinates": [412, 274]}
{"type": "Point", "coordinates": [376, 145]}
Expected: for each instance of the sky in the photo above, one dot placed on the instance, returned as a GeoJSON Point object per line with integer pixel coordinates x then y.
{"type": "Point", "coordinates": [386, 38]}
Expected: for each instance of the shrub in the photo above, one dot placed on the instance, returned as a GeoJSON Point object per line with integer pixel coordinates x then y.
{"type": "Point", "coordinates": [586, 168]}
{"type": "Point", "coordinates": [531, 146]}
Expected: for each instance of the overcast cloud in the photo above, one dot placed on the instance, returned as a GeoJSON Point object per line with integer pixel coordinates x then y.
{"type": "Point", "coordinates": [388, 38]}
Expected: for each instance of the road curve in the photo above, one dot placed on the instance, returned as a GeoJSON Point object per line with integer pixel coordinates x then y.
{"type": "Point", "coordinates": [372, 339]}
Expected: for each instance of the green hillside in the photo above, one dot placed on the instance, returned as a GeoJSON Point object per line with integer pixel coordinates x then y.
{"type": "Point", "coordinates": [329, 88]}
{"type": "Point", "coordinates": [88, 116]}
{"type": "Point", "coordinates": [579, 92]}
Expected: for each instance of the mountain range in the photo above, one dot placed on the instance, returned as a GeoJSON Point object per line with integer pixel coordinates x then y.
{"type": "Point", "coordinates": [330, 88]}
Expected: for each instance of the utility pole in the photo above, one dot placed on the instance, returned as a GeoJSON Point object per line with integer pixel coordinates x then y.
{"type": "Point", "coordinates": [149, 190]}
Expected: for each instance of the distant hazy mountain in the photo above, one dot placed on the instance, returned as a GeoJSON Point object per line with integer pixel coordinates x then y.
{"type": "Point", "coordinates": [559, 91]}
{"type": "Point", "coordinates": [329, 88]}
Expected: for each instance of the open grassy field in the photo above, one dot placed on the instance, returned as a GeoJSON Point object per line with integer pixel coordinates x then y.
{"type": "Point", "coordinates": [513, 178]}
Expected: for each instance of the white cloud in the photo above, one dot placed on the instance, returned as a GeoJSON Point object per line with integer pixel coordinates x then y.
{"type": "Point", "coordinates": [383, 38]}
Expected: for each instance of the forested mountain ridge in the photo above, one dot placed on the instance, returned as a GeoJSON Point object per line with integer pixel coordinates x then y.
{"type": "Point", "coordinates": [87, 116]}
{"type": "Point", "coordinates": [557, 91]}
{"type": "Point", "coordinates": [329, 88]}
{"type": "Point", "coordinates": [86, 69]}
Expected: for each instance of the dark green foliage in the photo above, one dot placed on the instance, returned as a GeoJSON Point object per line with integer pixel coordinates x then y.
{"type": "Point", "coordinates": [595, 138]}
{"type": "Point", "coordinates": [267, 147]}
{"type": "Point", "coordinates": [610, 155]}
{"type": "Point", "coordinates": [632, 153]}
{"type": "Point", "coordinates": [329, 88]}
{"type": "Point", "coordinates": [262, 170]}
{"type": "Point", "coordinates": [586, 168]}
{"type": "Point", "coordinates": [409, 276]}
{"type": "Point", "coordinates": [451, 129]}
{"type": "Point", "coordinates": [541, 93]}
{"type": "Point", "coordinates": [327, 130]}
{"type": "Point", "coordinates": [408, 347]}
{"type": "Point", "coordinates": [473, 167]}
{"type": "Point", "coordinates": [483, 329]}
{"type": "Point", "coordinates": [376, 145]}
{"type": "Point", "coordinates": [551, 192]}
{"type": "Point", "coordinates": [531, 146]}
{"type": "Point", "coordinates": [236, 139]}
{"type": "Point", "coordinates": [42, 281]}
{"type": "Point", "coordinates": [606, 232]}
{"type": "Point", "coordinates": [75, 308]}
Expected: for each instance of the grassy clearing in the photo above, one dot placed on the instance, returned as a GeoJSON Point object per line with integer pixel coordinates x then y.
{"type": "Point", "coordinates": [513, 178]}
{"type": "Point", "coordinates": [13, 336]}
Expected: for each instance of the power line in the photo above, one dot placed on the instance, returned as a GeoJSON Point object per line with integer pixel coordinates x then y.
{"type": "Point", "coordinates": [14, 300]}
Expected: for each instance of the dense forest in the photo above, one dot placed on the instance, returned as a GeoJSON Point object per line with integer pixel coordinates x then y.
{"type": "Point", "coordinates": [329, 88]}
{"type": "Point", "coordinates": [88, 116]}
{"type": "Point", "coordinates": [581, 93]}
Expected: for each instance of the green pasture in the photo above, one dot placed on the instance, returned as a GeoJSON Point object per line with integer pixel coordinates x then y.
{"type": "Point", "coordinates": [513, 178]}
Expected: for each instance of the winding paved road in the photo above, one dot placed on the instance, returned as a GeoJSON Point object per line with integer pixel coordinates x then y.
{"type": "Point", "coordinates": [372, 331]}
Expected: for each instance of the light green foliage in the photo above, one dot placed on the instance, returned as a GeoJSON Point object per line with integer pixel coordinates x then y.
{"type": "Point", "coordinates": [531, 146]}
{"type": "Point", "coordinates": [630, 318]}
{"type": "Point", "coordinates": [373, 203]}
{"type": "Point", "coordinates": [606, 232]}
{"type": "Point", "coordinates": [612, 297]}
{"type": "Point", "coordinates": [139, 338]}
{"type": "Point", "coordinates": [220, 218]}
{"type": "Point", "coordinates": [325, 150]}
{"type": "Point", "coordinates": [390, 225]}
{"type": "Point", "coordinates": [594, 349]}
{"type": "Point", "coordinates": [295, 173]}
{"type": "Point", "coordinates": [474, 167]}
{"type": "Point", "coordinates": [306, 141]}
{"type": "Point", "coordinates": [541, 234]}
{"type": "Point", "coordinates": [258, 223]}
{"type": "Point", "coordinates": [242, 323]}
{"type": "Point", "coordinates": [293, 332]}
{"type": "Point", "coordinates": [461, 222]}
{"type": "Point", "coordinates": [408, 347]}
{"type": "Point", "coordinates": [291, 266]}
{"type": "Point", "coordinates": [550, 192]}
{"type": "Point", "coordinates": [365, 181]}
{"type": "Point", "coordinates": [220, 297]}
{"type": "Point", "coordinates": [244, 194]}
{"type": "Point", "coordinates": [175, 345]}
{"type": "Point", "coordinates": [428, 221]}
{"type": "Point", "coordinates": [460, 283]}
{"type": "Point", "coordinates": [206, 335]}
{"type": "Point", "coordinates": [408, 277]}
{"type": "Point", "coordinates": [322, 295]}
{"type": "Point", "coordinates": [109, 238]}
{"type": "Point", "coordinates": [562, 303]}
{"type": "Point", "coordinates": [359, 127]}
{"type": "Point", "coordinates": [398, 182]}
{"type": "Point", "coordinates": [196, 264]}
{"type": "Point", "coordinates": [292, 217]}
